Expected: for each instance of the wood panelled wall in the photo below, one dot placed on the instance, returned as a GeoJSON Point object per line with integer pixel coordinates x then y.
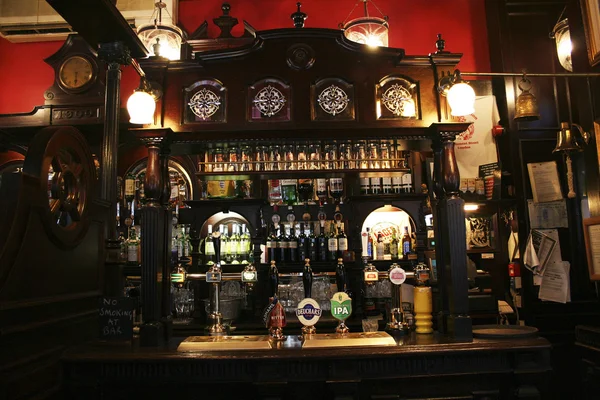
{"type": "Point", "coordinates": [519, 39]}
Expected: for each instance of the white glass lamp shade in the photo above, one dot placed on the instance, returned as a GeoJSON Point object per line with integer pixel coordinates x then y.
{"type": "Point", "coordinates": [371, 31]}
{"type": "Point", "coordinates": [564, 46]}
{"type": "Point", "coordinates": [141, 106]}
{"type": "Point", "coordinates": [461, 98]}
{"type": "Point", "coordinates": [169, 40]}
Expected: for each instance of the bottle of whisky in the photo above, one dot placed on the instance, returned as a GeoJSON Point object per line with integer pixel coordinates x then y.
{"type": "Point", "coordinates": [342, 240]}
{"type": "Point", "coordinates": [312, 243]}
{"type": "Point", "coordinates": [283, 244]}
{"type": "Point", "coordinates": [209, 247]}
{"type": "Point", "coordinates": [332, 243]}
{"type": "Point", "coordinates": [380, 247]}
{"type": "Point", "coordinates": [394, 246]}
{"type": "Point", "coordinates": [293, 243]}
{"type": "Point", "coordinates": [234, 244]}
{"type": "Point", "coordinates": [406, 243]}
{"type": "Point", "coordinates": [302, 243]}
{"type": "Point", "coordinates": [323, 242]}
{"type": "Point", "coordinates": [273, 255]}
{"type": "Point", "coordinates": [133, 244]}
{"type": "Point", "coordinates": [244, 245]}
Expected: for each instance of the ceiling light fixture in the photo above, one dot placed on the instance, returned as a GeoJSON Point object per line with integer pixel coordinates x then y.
{"type": "Point", "coordinates": [161, 40]}
{"type": "Point", "coordinates": [367, 29]}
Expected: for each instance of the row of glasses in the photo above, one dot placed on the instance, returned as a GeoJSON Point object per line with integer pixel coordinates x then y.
{"type": "Point", "coordinates": [302, 156]}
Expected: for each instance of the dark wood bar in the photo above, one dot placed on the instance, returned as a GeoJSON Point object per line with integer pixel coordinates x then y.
{"type": "Point", "coordinates": [420, 366]}
{"type": "Point", "coordinates": [304, 214]}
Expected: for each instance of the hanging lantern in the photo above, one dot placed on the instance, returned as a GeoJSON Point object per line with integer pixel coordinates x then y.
{"type": "Point", "coordinates": [161, 40]}
{"type": "Point", "coordinates": [367, 29]}
{"type": "Point", "coordinates": [562, 36]}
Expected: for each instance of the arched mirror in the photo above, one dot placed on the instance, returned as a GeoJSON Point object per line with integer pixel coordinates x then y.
{"type": "Point", "coordinates": [391, 233]}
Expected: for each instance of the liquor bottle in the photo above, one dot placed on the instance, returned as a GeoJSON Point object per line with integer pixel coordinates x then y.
{"type": "Point", "coordinates": [407, 177]}
{"type": "Point", "coordinates": [332, 243]}
{"type": "Point", "coordinates": [288, 191]}
{"type": "Point", "coordinates": [225, 249]}
{"type": "Point", "coordinates": [302, 243]}
{"type": "Point", "coordinates": [283, 244]}
{"type": "Point", "coordinates": [123, 249]}
{"type": "Point", "coordinates": [209, 247]}
{"type": "Point", "coordinates": [380, 248]}
{"type": "Point", "coordinates": [336, 189]}
{"type": "Point", "coordinates": [365, 185]}
{"type": "Point", "coordinates": [141, 182]}
{"type": "Point", "coordinates": [406, 243]}
{"type": "Point", "coordinates": [394, 246]}
{"type": "Point", "coordinates": [133, 244]}
{"type": "Point", "coordinates": [312, 243]}
{"type": "Point", "coordinates": [386, 183]}
{"type": "Point", "coordinates": [323, 242]}
{"type": "Point", "coordinates": [272, 246]}
{"type": "Point", "coordinates": [305, 190]}
{"type": "Point", "coordinates": [129, 191]}
{"type": "Point", "coordinates": [234, 244]}
{"type": "Point", "coordinates": [244, 245]}
{"type": "Point", "coordinates": [369, 244]}
{"type": "Point", "coordinates": [293, 243]}
{"type": "Point", "coordinates": [322, 190]}
{"type": "Point", "coordinates": [342, 240]}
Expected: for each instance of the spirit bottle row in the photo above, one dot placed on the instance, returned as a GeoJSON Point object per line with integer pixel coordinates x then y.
{"type": "Point", "coordinates": [301, 156]}
{"type": "Point", "coordinates": [303, 191]}
{"type": "Point", "coordinates": [395, 248]}
{"type": "Point", "coordinates": [296, 242]}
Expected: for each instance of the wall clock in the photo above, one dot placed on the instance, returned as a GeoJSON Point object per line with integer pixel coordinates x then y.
{"type": "Point", "coordinates": [76, 73]}
{"type": "Point", "coordinates": [78, 79]}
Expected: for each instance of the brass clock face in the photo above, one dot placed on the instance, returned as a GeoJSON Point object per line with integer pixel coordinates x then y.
{"type": "Point", "coordinates": [75, 73]}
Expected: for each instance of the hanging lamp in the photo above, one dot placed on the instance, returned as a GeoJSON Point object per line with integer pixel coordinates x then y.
{"type": "Point", "coordinates": [367, 29]}
{"type": "Point", "coordinates": [161, 40]}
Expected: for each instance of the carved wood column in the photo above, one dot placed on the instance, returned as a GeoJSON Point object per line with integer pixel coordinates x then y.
{"type": "Point", "coordinates": [114, 54]}
{"type": "Point", "coordinates": [451, 246]}
{"type": "Point", "coordinates": [438, 230]}
{"type": "Point", "coordinates": [155, 241]}
{"type": "Point", "coordinates": [165, 195]}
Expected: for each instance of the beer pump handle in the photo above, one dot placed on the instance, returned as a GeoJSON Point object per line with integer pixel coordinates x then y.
{"type": "Point", "coordinates": [340, 276]}
{"type": "Point", "coordinates": [307, 279]}
{"type": "Point", "coordinates": [217, 245]}
{"type": "Point", "coordinates": [273, 279]}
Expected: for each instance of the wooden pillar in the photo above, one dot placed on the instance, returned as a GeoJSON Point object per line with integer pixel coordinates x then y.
{"type": "Point", "coordinates": [114, 54]}
{"type": "Point", "coordinates": [155, 242]}
{"type": "Point", "coordinates": [438, 230]}
{"type": "Point", "coordinates": [451, 234]}
{"type": "Point", "coordinates": [168, 232]}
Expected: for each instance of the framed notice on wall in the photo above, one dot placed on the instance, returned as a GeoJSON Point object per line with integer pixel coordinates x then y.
{"type": "Point", "coordinates": [591, 232]}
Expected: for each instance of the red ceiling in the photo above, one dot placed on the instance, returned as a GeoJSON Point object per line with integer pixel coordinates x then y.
{"type": "Point", "coordinates": [413, 26]}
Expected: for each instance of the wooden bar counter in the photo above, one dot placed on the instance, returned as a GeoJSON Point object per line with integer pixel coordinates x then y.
{"type": "Point", "coordinates": [417, 367]}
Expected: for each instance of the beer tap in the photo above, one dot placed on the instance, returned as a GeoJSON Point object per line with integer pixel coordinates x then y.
{"type": "Point", "coordinates": [307, 280]}
{"type": "Point", "coordinates": [397, 322]}
{"type": "Point", "coordinates": [341, 277]}
{"type": "Point", "coordinates": [213, 276]}
{"type": "Point", "coordinates": [274, 316]}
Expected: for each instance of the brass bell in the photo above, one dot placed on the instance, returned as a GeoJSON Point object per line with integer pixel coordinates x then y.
{"type": "Point", "coordinates": [565, 141]}
{"type": "Point", "coordinates": [527, 107]}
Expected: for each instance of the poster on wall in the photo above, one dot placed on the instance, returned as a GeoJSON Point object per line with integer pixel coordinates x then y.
{"type": "Point", "coordinates": [476, 145]}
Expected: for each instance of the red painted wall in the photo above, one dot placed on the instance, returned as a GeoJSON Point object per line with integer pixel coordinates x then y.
{"type": "Point", "coordinates": [413, 26]}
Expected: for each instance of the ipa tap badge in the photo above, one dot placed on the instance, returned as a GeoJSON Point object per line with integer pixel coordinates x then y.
{"type": "Point", "coordinates": [308, 312]}
{"type": "Point", "coordinates": [341, 306]}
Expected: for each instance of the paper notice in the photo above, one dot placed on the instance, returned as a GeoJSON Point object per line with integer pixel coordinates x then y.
{"type": "Point", "coordinates": [548, 215]}
{"type": "Point", "coordinates": [556, 283]}
{"type": "Point", "coordinates": [544, 180]}
{"type": "Point", "coordinates": [542, 247]}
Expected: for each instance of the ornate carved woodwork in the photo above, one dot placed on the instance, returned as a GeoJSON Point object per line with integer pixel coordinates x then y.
{"type": "Point", "coordinates": [77, 81]}
{"type": "Point", "coordinates": [50, 275]}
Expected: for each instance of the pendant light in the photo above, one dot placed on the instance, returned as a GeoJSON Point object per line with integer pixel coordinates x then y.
{"type": "Point", "coordinates": [161, 40]}
{"type": "Point", "coordinates": [367, 29]}
{"type": "Point", "coordinates": [562, 36]}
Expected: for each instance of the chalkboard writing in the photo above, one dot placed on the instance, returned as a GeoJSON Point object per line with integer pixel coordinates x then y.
{"type": "Point", "coordinates": [116, 318]}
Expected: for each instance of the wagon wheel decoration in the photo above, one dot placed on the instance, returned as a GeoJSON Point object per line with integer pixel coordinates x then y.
{"type": "Point", "coordinates": [62, 162]}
